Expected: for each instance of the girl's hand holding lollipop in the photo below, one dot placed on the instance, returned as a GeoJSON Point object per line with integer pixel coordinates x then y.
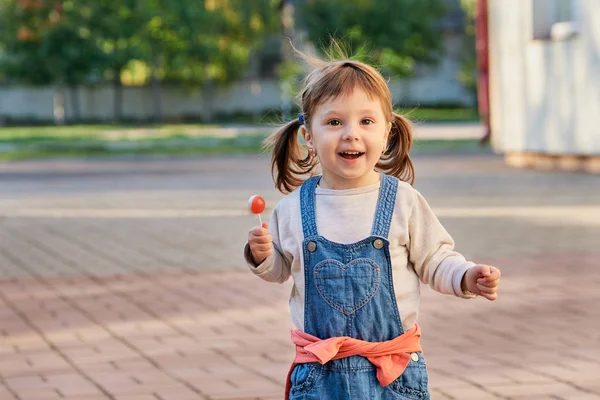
{"type": "Point", "coordinates": [259, 238]}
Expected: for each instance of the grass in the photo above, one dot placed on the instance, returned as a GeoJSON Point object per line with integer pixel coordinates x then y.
{"type": "Point", "coordinates": [418, 114]}
{"type": "Point", "coordinates": [34, 147]}
{"type": "Point", "coordinates": [436, 145]}
{"type": "Point", "coordinates": [90, 153]}
{"type": "Point", "coordinates": [436, 115]}
{"type": "Point", "coordinates": [75, 132]}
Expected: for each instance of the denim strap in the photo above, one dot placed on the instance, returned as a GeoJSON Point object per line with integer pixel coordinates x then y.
{"type": "Point", "coordinates": [307, 206]}
{"type": "Point", "coordinates": [385, 206]}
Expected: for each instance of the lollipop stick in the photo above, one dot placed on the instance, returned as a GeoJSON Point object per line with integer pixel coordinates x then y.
{"type": "Point", "coordinates": [259, 219]}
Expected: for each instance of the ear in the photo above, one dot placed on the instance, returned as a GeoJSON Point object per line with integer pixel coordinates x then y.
{"type": "Point", "coordinates": [308, 138]}
{"type": "Point", "coordinates": [386, 137]}
{"type": "Point", "coordinates": [388, 131]}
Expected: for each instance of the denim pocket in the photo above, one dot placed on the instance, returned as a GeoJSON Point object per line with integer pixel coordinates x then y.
{"type": "Point", "coordinates": [412, 384]}
{"type": "Point", "coordinates": [304, 377]}
{"type": "Point", "coordinates": [347, 287]}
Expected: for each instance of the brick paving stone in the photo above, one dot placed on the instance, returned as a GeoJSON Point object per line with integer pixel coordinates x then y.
{"type": "Point", "coordinates": [438, 395]}
{"type": "Point", "coordinates": [548, 389]}
{"type": "Point", "coordinates": [136, 397]}
{"type": "Point", "coordinates": [39, 395]}
{"type": "Point", "coordinates": [469, 392]}
{"type": "Point", "coordinates": [6, 393]}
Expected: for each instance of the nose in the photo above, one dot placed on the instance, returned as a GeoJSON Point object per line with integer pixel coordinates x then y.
{"type": "Point", "coordinates": [350, 134]}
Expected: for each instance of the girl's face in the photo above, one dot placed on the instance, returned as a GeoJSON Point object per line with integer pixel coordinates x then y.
{"type": "Point", "coordinates": [349, 134]}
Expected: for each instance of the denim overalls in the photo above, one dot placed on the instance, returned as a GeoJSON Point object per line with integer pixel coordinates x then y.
{"type": "Point", "coordinates": [349, 292]}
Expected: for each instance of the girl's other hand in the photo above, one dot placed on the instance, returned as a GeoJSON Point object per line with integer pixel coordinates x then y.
{"type": "Point", "coordinates": [482, 280]}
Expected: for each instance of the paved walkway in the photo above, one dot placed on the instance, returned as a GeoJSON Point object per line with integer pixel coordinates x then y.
{"type": "Point", "coordinates": [123, 280]}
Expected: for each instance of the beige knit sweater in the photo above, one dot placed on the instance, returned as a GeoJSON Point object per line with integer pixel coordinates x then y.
{"type": "Point", "coordinates": [420, 248]}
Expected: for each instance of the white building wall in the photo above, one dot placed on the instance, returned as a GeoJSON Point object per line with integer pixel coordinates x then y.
{"type": "Point", "coordinates": [545, 94]}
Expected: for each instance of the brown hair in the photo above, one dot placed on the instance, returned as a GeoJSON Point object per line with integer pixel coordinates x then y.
{"type": "Point", "coordinates": [327, 80]}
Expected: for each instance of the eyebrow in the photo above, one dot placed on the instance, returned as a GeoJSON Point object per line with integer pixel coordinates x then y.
{"type": "Point", "coordinates": [365, 111]}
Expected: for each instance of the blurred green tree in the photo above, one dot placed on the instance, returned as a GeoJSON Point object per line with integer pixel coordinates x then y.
{"type": "Point", "coordinates": [200, 44]}
{"type": "Point", "coordinates": [114, 29]}
{"type": "Point", "coordinates": [48, 42]}
{"type": "Point", "coordinates": [67, 42]}
{"type": "Point", "coordinates": [394, 34]}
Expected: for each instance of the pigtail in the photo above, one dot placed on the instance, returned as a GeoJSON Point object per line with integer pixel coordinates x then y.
{"type": "Point", "coordinates": [395, 160]}
{"type": "Point", "coordinates": [288, 163]}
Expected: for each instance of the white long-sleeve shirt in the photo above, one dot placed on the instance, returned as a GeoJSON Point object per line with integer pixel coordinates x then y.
{"type": "Point", "coordinates": [420, 248]}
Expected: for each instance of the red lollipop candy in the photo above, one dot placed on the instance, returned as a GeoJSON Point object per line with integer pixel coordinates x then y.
{"type": "Point", "coordinates": [256, 205]}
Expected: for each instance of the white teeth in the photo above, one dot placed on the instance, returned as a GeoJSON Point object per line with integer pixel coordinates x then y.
{"type": "Point", "coordinates": [353, 153]}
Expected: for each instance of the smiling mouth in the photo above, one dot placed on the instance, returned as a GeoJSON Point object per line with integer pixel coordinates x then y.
{"type": "Point", "coordinates": [350, 155]}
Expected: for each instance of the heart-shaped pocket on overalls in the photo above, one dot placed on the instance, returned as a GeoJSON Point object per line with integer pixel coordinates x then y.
{"type": "Point", "coordinates": [347, 287]}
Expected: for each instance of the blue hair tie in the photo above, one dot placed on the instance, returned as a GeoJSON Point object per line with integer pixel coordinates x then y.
{"type": "Point", "coordinates": [301, 119]}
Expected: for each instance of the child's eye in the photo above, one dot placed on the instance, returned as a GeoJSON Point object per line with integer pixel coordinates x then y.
{"type": "Point", "coordinates": [334, 122]}
{"type": "Point", "coordinates": [367, 121]}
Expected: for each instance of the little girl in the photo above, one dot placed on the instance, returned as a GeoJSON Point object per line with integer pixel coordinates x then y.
{"type": "Point", "coordinates": [356, 240]}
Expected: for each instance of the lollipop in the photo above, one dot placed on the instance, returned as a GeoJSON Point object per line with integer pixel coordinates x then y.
{"type": "Point", "coordinates": [256, 205]}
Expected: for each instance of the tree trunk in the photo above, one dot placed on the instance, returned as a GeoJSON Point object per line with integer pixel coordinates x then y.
{"type": "Point", "coordinates": [156, 96]}
{"type": "Point", "coordinates": [286, 16]}
{"type": "Point", "coordinates": [59, 105]}
{"type": "Point", "coordinates": [118, 98]}
{"type": "Point", "coordinates": [288, 33]}
{"type": "Point", "coordinates": [207, 102]}
{"type": "Point", "coordinates": [75, 103]}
